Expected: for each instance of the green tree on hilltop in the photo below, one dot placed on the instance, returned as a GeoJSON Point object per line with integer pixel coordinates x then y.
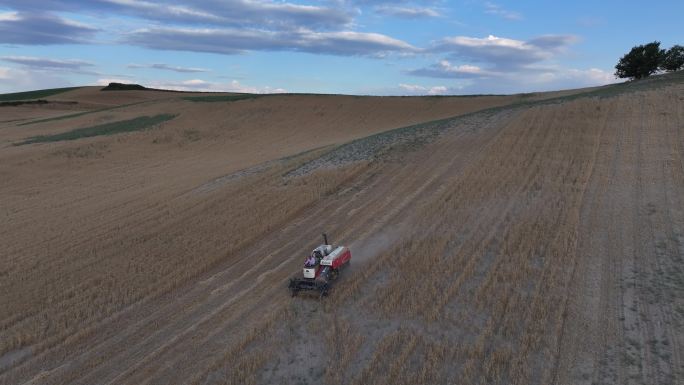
{"type": "Point", "coordinates": [642, 61]}
{"type": "Point", "coordinates": [673, 60]}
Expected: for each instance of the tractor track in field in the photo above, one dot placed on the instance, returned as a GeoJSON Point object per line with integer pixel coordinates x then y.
{"type": "Point", "coordinates": [623, 307]}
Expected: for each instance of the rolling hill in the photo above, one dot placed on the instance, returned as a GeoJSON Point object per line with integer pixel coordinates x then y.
{"type": "Point", "coordinates": [148, 237]}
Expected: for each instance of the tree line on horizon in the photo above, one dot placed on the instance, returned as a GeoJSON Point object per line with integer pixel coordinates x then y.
{"type": "Point", "coordinates": [646, 59]}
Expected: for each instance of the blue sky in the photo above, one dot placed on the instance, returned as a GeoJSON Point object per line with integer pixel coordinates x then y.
{"type": "Point", "coordinates": [339, 46]}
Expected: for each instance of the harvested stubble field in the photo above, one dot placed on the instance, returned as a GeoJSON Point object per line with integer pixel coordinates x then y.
{"type": "Point", "coordinates": [520, 239]}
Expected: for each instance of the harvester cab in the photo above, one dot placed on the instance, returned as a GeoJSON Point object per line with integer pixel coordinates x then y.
{"type": "Point", "coordinates": [321, 267]}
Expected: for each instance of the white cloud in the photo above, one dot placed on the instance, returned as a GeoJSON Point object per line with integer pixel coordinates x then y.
{"type": "Point", "coordinates": [234, 41]}
{"type": "Point", "coordinates": [216, 26]}
{"type": "Point", "coordinates": [504, 65]}
{"type": "Point", "coordinates": [529, 79]}
{"type": "Point", "coordinates": [414, 89]}
{"type": "Point", "coordinates": [9, 16]}
{"type": "Point", "coordinates": [444, 69]}
{"type": "Point", "coordinates": [599, 76]}
{"type": "Point", "coordinates": [235, 13]}
{"type": "Point", "coordinates": [196, 85]}
{"type": "Point", "coordinates": [40, 28]}
{"type": "Point", "coordinates": [502, 52]}
{"type": "Point", "coordinates": [438, 90]}
{"type": "Point", "coordinates": [495, 9]}
{"type": "Point", "coordinates": [52, 65]}
{"type": "Point", "coordinates": [542, 79]}
{"type": "Point", "coordinates": [47, 63]}
{"type": "Point", "coordinates": [166, 67]}
{"type": "Point", "coordinates": [15, 80]}
{"type": "Point", "coordinates": [571, 77]}
{"type": "Point", "coordinates": [489, 41]}
{"type": "Point", "coordinates": [406, 12]}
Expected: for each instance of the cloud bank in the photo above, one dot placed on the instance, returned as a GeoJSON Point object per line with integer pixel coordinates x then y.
{"type": "Point", "coordinates": [167, 67]}
{"type": "Point", "coordinates": [503, 65]}
{"type": "Point", "coordinates": [407, 12]}
{"type": "Point", "coordinates": [239, 27]}
{"type": "Point", "coordinates": [236, 41]}
{"type": "Point", "coordinates": [38, 28]}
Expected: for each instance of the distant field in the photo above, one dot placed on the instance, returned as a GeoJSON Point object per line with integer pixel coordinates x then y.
{"type": "Point", "coordinates": [34, 94]}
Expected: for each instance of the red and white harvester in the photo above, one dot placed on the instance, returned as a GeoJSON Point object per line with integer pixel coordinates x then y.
{"type": "Point", "coordinates": [321, 268]}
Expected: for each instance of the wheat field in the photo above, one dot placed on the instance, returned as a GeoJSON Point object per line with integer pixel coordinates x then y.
{"type": "Point", "coordinates": [528, 239]}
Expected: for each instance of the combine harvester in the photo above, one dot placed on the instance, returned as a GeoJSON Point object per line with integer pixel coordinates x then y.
{"type": "Point", "coordinates": [321, 268]}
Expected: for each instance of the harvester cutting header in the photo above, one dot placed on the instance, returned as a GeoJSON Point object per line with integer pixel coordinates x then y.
{"type": "Point", "coordinates": [321, 267]}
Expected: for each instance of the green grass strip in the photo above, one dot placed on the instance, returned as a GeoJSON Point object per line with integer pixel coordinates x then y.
{"type": "Point", "coordinates": [137, 124]}
{"type": "Point", "coordinates": [34, 94]}
{"type": "Point", "coordinates": [222, 98]}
